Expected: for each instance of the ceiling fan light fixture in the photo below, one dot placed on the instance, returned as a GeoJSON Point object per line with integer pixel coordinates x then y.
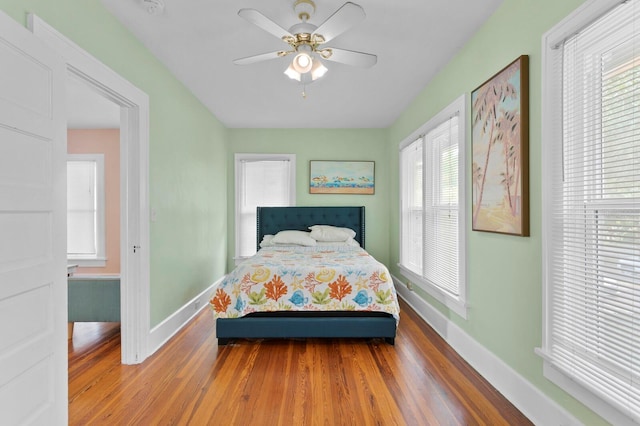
{"type": "Point", "coordinates": [292, 74]}
{"type": "Point", "coordinates": [302, 63]}
{"type": "Point", "coordinates": [318, 69]}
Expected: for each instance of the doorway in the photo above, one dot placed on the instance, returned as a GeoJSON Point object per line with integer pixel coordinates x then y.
{"type": "Point", "coordinates": [133, 106]}
{"type": "Point", "coordinates": [93, 209]}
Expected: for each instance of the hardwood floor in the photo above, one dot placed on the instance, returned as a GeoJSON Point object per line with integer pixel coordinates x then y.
{"type": "Point", "coordinates": [419, 381]}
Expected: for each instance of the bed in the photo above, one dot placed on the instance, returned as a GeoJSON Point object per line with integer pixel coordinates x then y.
{"type": "Point", "coordinates": [363, 303]}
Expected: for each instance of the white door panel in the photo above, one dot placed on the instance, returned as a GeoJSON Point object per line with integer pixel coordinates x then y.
{"type": "Point", "coordinates": [33, 291]}
{"type": "Point", "coordinates": [27, 345]}
{"type": "Point", "coordinates": [26, 239]}
{"type": "Point", "coordinates": [28, 108]}
{"type": "Point", "coordinates": [37, 172]}
{"type": "Point", "coordinates": [37, 404]}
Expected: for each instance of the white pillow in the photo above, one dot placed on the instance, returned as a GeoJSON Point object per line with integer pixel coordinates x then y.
{"type": "Point", "coordinates": [331, 233]}
{"type": "Point", "coordinates": [300, 238]}
{"type": "Point", "coordinates": [350, 242]}
{"type": "Point", "coordinates": [266, 240]}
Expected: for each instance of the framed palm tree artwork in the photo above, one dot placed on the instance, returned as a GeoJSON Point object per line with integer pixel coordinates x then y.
{"type": "Point", "coordinates": [500, 151]}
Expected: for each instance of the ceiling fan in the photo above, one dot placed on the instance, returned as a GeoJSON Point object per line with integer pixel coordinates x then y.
{"type": "Point", "coordinates": [308, 42]}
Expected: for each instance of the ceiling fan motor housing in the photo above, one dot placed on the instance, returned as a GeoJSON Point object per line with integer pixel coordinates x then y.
{"type": "Point", "coordinates": [302, 28]}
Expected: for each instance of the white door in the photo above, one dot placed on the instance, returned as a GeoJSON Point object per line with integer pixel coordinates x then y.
{"type": "Point", "coordinates": [33, 291]}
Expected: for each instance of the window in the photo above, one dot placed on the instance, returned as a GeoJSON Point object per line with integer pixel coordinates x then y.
{"type": "Point", "coordinates": [411, 198]}
{"type": "Point", "coordinates": [261, 180]}
{"type": "Point", "coordinates": [85, 209]}
{"type": "Point", "coordinates": [432, 198]}
{"type": "Point", "coordinates": [591, 194]}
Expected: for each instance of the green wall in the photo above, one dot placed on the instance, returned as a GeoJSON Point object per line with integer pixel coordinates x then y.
{"type": "Point", "coordinates": [188, 161]}
{"type": "Point", "coordinates": [323, 144]}
{"type": "Point", "coordinates": [504, 272]}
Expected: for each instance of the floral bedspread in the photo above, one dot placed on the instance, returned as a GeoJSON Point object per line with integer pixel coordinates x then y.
{"type": "Point", "coordinates": [294, 278]}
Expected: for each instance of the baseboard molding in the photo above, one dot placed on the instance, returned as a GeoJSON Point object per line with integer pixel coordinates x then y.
{"type": "Point", "coordinates": [160, 334]}
{"type": "Point", "coordinates": [534, 404]}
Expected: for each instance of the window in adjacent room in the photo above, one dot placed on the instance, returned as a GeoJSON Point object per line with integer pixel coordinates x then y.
{"type": "Point", "coordinates": [261, 180]}
{"type": "Point", "coordinates": [432, 198]}
{"type": "Point", "coordinates": [591, 208]}
{"type": "Point", "coordinates": [85, 209]}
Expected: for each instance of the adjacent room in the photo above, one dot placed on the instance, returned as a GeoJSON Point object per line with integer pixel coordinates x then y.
{"type": "Point", "coordinates": [320, 212]}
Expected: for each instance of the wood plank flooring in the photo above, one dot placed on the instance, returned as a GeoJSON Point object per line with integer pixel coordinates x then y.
{"type": "Point", "coordinates": [190, 381]}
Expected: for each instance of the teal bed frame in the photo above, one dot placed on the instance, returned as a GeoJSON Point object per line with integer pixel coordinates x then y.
{"type": "Point", "coordinates": [287, 325]}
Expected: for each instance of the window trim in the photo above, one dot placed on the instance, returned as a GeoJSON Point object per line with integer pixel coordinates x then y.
{"type": "Point", "coordinates": [551, 102]}
{"type": "Point", "coordinates": [456, 304]}
{"type": "Point", "coordinates": [100, 259]}
{"type": "Point", "coordinates": [238, 157]}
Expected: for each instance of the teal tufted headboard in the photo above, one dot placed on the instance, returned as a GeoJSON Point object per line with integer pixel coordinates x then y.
{"type": "Point", "coordinates": [271, 220]}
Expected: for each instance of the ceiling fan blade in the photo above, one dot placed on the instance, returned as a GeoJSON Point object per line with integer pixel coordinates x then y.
{"type": "Point", "coordinates": [349, 15]}
{"type": "Point", "coordinates": [258, 58]}
{"type": "Point", "coordinates": [350, 57]}
{"type": "Point", "coordinates": [263, 22]}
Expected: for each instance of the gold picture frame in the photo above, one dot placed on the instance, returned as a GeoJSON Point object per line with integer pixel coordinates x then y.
{"type": "Point", "coordinates": [500, 151]}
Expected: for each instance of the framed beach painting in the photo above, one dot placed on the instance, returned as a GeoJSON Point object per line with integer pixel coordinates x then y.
{"type": "Point", "coordinates": [341, 177]}
{"type": "Point", "coordinates": [500, 151]}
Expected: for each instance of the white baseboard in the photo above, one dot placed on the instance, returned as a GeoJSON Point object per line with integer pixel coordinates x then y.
{"type": "Point", "coordinates": [160, 334]}
{"type": "Point", "coordinates": [534, 404]}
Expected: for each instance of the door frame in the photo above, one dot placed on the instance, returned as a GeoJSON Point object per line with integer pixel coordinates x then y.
{"type": "Point", "coordinates": [134, 184]}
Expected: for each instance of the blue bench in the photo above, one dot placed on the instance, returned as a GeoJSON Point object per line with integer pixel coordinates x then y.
{"type": "Point", "coordinates": [93, 299]}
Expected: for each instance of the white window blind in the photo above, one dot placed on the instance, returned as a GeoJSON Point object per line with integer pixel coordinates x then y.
{"type": "Point", "coordinates": [85, 208]}
{"type": "Point", "coordinates": [81, 207]}
{"type": "Point", "coordinates": [593, 211]}
{"type": "Point", "coordinates": [412, 214]}
{"type": "Point", "coordinates": [432, 242]}
{"type": "Point", "coordinates": [441, 264]}
{"type": "Point", "coordinates": [261, 180]}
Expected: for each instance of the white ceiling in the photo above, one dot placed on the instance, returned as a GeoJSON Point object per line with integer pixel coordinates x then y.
{"type": "Point", "coordinates": [87, 109]}
{"type": "Point", "coordinates": [198, 39]}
